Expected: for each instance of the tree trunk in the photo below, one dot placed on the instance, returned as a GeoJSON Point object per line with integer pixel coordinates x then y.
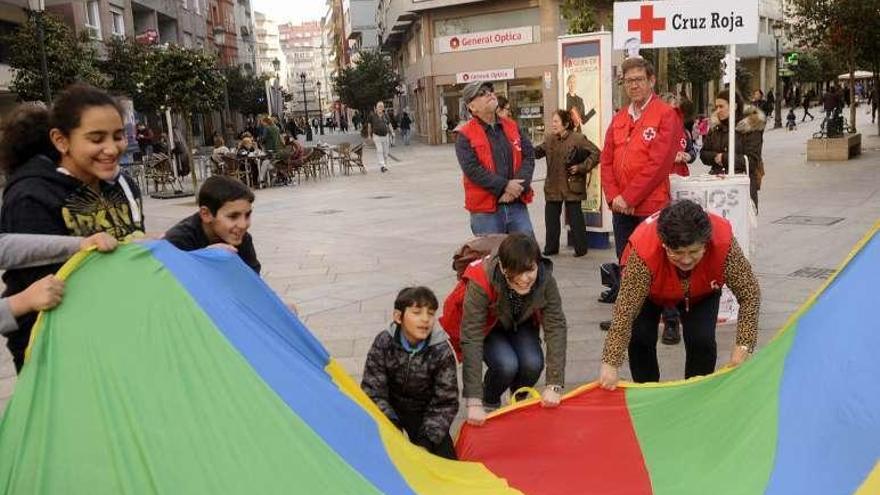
{"type": "Point", "coordinates": [852, 94]}
{"type": "Point", "coordinates": [187, 117]}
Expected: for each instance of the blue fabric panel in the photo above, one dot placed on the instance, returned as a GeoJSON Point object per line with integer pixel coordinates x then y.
{"type": "Point", "coordinates": [284, 353]}
{"type": "Point", "coordinates": [829, 405]}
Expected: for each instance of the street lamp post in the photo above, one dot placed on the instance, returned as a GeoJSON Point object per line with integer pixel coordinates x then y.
{"type": "Point", "coordinates": [320, 109]}
{"type": "Point", "coordinates": [276, 64]}
{"type": "Point", "coordinates": [778, 31]}
{"type": "Point", "coordinates": [39, 9]}
{"type": "Point", "coordinates": [302, 78]}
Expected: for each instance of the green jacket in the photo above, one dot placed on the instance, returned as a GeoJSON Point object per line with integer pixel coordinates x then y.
{"type": "Point", "coordinates": [544, 297]}
{"type": "Point", "coordinates": [272, 138]}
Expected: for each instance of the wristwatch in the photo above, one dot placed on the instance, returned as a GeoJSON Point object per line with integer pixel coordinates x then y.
{"type": "Point", "coordinates": [556, 388]}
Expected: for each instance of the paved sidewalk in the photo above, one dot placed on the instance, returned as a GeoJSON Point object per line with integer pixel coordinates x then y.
{"type": "Point", "coordinates": [340, 248]}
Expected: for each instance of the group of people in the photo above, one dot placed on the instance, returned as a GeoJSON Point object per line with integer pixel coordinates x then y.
{"type": "Point", "coordinates": [65, 180]}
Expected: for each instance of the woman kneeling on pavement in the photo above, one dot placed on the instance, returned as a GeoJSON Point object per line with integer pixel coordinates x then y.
{"type": "Point", "coordinates": [680, 257]}
{"type": "Point", "coordinates": [500, 325]}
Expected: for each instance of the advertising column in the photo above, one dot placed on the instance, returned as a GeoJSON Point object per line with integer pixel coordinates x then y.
{"type": "Point", "coordinates": [585, 91]}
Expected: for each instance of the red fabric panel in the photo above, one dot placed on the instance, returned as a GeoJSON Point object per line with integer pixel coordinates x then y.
{"type": "Point", "coordinates": [586, 445]}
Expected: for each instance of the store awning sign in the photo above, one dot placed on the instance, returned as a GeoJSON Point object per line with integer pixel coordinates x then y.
{"type": "Point", "coordinates": [484, 39]}
{"type": "Point", "coordinates": [672, 23]}
{"type": "Point", "coordinates": [484, 75]}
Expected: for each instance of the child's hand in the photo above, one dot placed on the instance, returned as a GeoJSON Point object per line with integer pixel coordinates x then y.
{"type": "Point", "coordinates": [43, 294]}
{"type": "Point", "coordinates": [102, 241]}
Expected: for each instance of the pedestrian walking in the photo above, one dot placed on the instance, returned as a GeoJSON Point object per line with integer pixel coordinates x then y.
{"type": "Point", "coordinates": [806, 104]}
{"type": "Point", "coordinates": [497, 161]}
{"type": "Point", "coordinates": [405, 128]}
{"type": "Point", "coordinates": [379, 128]}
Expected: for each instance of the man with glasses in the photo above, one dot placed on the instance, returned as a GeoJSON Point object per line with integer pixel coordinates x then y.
{"type": "Point", "coordinates": [497, 161]}
{"type": "Point", "coordinates": [639, 152]}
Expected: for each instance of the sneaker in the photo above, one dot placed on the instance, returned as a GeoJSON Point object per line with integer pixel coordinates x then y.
{"type": "Point", "coordinates": [383, 169]}
{"type": "Point", "coordinates": [671, 332]}
{"type": "Point", "coordinates": [605, 325]}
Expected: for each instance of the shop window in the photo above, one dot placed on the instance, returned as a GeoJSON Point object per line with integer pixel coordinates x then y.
{"type": "Point", "coordinates": [487, 22]}
{"type": "Point", "coordinates": [118, 23]}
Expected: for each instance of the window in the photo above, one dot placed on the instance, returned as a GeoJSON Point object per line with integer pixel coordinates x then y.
{"type": "Point", "coordinates": [118, 23]}
{"type": "Point", "coordinates": [187, 40]}
{"type": "Point", "coordinates": [184, 4]}
{"type": "Point", "coordinates": [93, 19]}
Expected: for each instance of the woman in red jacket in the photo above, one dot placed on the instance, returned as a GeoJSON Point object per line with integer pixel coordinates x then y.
{"type": "Point", "coordinates": [680, 257]}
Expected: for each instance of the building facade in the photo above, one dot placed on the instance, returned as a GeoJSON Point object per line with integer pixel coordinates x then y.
{"type": "Point", "coordinates": [247, 45]}
{"type": "Point", "coordinates": [301, 44]}
{"type": "Point", "coordinates": [268, 51]}
{"type": "Point", "coordinates": [437, 46]}
{"type": "Point", "coordinates": [360, 27]}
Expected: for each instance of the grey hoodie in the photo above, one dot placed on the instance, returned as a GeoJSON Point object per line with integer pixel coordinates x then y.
{"type": "Point", "coordinates": [28, 250]}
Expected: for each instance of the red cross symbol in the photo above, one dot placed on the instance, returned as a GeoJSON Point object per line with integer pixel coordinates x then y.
{"type": "Point", "coordinates": [647, 24]}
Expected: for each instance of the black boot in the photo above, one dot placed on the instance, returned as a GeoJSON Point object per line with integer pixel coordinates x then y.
{"type": "Point", "coordinates": [671, 331]}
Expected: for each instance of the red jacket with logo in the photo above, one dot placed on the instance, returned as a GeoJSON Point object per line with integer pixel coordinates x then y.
{"type": "Point", "coordinates": [638, 156]}
{"type": "Point", "coordinates": [706, 278]}
{"type": "Point", "coordinates": [476, 198]}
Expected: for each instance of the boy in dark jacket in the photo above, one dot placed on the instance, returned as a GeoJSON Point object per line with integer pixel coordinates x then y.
{"type": "Point", "coordinates": [224, 217]}
{"type": "Point", "coordinates": [410, 373]}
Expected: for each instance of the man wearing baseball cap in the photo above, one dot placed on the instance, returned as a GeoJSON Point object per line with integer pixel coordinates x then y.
{"type": "Point", "coordinates": [497, 161]}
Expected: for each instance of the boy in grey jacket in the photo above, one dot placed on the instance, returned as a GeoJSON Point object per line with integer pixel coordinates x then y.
{"type": "Point", "coordinates": [26, 250]}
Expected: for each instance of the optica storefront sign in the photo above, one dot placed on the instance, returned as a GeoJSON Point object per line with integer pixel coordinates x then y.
{"type": "Point", "coordinates": [685, 23]}
{"type": "Point", "coordinates": [484, 75]}
{"type": "Point", "coordinates": [484, 39]}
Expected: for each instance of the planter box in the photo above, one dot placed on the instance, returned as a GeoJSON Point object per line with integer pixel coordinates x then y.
{"type": "Point", "coordinates": [834, 149]}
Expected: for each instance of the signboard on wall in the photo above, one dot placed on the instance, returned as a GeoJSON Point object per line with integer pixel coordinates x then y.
{"type": "Point", "coordinates": [484, 39]}
{"type": "Point", "coordinates": [484, 75]}
{"type": "Point", "coordinates": [686, 23]}
{"type": "Point", "coordinates": [585, 80]}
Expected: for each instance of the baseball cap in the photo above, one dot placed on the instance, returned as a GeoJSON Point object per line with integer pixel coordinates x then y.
{"type": "Point", "coordinates": [470, 91]}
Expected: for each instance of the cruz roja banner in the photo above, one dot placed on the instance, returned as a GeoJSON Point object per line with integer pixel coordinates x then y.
{"type": "Point", "coordinates": [685, 23]}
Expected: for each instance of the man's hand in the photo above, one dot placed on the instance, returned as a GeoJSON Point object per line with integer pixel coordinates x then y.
{"type": "Point", "coordinates": [514, 187]}
{"type": "Point", "coordinates": [102, 241]}
{"type": "Point", "coordinates": [719, 159]}
{"type": "Point", "coordinates": [506, 198]}
{"type": "Point", "coordinates": [619, 205]}
{"type": "Point", "coordinates": [608, 377]}
{"type": "Point", "coordinates": [41, 295]}
{"type": "Point", "coordinates": [572, 169]}
{"type": "Point", "coordinates": [550, 397]}
{"type": "Point", "coordinates": [476, 415]}
{"type": "Point", "coordinates": [682, 157]}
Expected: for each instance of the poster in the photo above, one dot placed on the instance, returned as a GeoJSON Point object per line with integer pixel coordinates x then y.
{"type": "Point", "coordinates": [585, 92]}
{"type": "Point", "coordinates": [729, 198]}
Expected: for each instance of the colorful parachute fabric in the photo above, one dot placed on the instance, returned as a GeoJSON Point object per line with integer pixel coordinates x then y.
{"type": "Point", "coordinates": [801, 417]}
{"type": "Point", "coordinates": [172, 372]}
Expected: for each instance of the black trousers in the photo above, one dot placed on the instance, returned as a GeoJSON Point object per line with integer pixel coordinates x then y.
{"type": "Point", "coordinates": [552, 211]}
{"type": "Point", "coordinates": [698, 331]}
{"type": "Point", "coordinates": [624, 226]}
{"type": "Point", "coordinates": [412, 423]}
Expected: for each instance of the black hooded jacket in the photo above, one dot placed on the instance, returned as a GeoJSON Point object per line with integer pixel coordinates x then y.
{"type": "Point", "coordinates": [38, 199]}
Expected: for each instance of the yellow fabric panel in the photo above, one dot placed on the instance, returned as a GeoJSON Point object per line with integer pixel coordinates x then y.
{"type": "Point", "coordinates": [871, 486]}
{"type": "Point", "coordinates": [426, 474]}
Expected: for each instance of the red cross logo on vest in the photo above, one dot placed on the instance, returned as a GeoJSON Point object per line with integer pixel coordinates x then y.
{"type": "Point", "coordinates": [649, 134]}
{"type": "Point", "coordinates": [646, 24]}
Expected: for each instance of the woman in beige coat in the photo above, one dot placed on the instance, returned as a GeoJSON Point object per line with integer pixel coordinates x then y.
{"type": "Point", "coordinates": [570, 157]}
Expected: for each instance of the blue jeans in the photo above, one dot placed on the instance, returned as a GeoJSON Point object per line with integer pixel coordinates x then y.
{"type": "Point", "coordinates": [513, 359]}
{"type": "Point", "coordinates": [507, 219]}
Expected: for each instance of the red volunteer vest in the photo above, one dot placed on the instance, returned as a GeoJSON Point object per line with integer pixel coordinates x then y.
{"type": "Point", "coordinates": [706, 278]}
{"type": "Point", "coordinates": [632, 141]}
{"type": "Point", "coordinates": [477, 199]}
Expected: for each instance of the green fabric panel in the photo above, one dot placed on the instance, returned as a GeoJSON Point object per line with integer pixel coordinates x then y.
{"type": "Point", "coordinates": [715, 436]}
{"type": "Point", "coordinates": [146, 396]}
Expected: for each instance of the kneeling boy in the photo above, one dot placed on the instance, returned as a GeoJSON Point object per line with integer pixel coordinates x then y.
{"type": "Point", "coordinates": [411, 373]}
{"type": "Point", "coordinates": [224, 217]}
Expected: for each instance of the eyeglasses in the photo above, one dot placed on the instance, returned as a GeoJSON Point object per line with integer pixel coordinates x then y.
{"type": "Point", "coordinates": [629, 81]}
{"type": "Point", "coordinates": [485, 90]}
